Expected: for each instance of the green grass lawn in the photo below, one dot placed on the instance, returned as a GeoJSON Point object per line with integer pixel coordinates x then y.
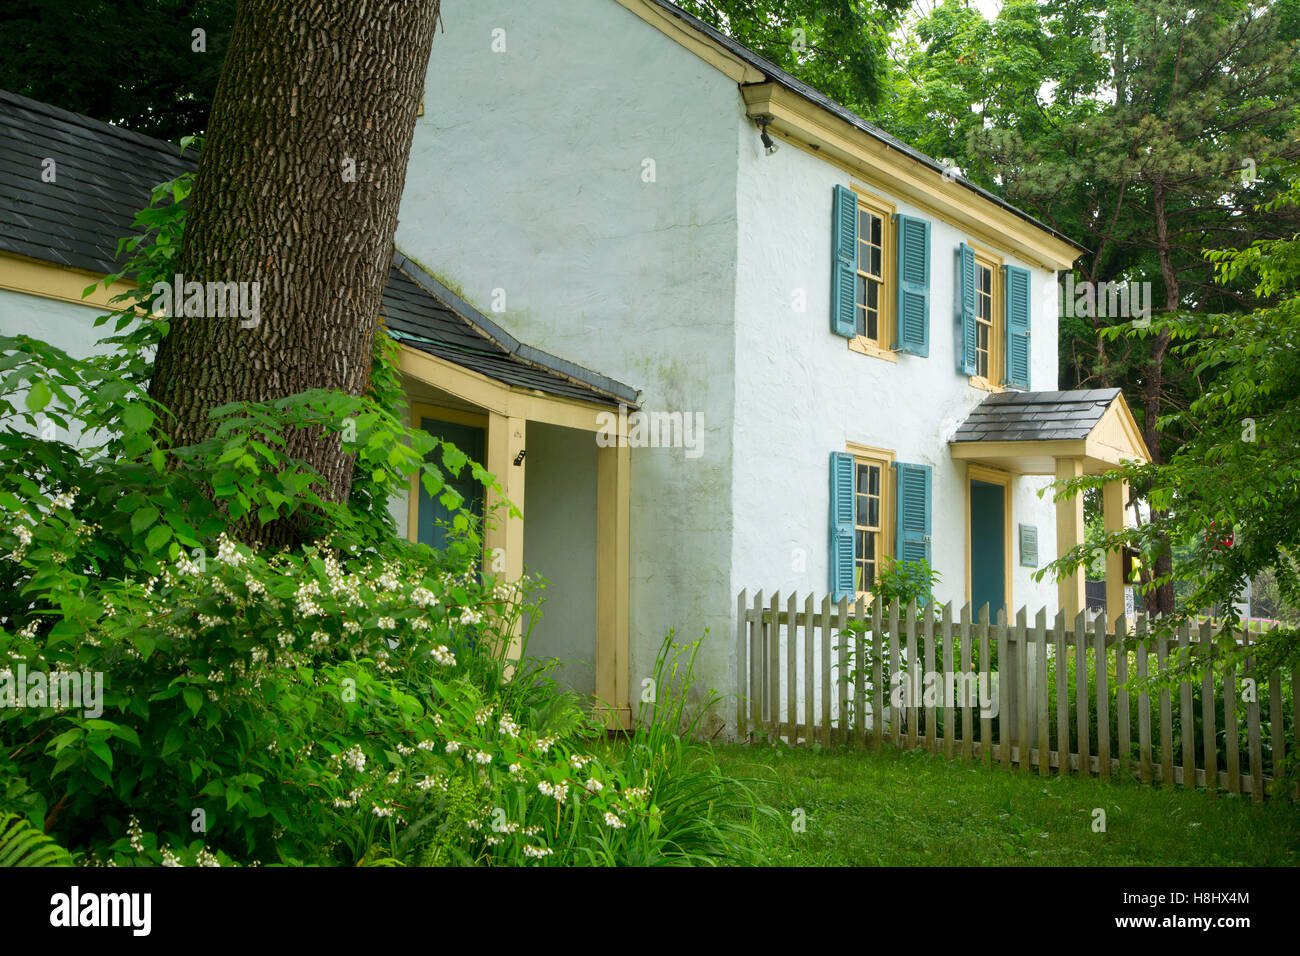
{"type": "Point", "coordinates": [916, 809]}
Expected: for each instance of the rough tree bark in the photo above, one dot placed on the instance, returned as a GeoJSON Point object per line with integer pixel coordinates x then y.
{"type": "Point", "coordinates": [298, 189]}
{"type": "Point", "coordinates": [1162, 600]}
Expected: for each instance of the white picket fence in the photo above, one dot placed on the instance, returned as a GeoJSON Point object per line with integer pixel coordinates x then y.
{"type": "Point", "coordinates": [1056, 698]}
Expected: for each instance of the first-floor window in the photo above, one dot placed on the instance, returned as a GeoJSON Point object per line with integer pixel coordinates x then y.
{"type": "Point", "coordinates": [868, 518]}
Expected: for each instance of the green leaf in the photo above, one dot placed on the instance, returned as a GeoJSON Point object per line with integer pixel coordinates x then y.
{"type": "Point", "coordinates": [157, 537]}
{"type": "Point", "coordinates": [193, 699]}
{"type": "Point", "coordinates": [174, 740]}
{"type": "Point", "coordinates": [143, 518]}
{"type": "Point", "coordinates": [38, 396]}
{"type": "Point", "coordinates": [100, 749]}
{"type": "Point", "coordinates": [137, 417]}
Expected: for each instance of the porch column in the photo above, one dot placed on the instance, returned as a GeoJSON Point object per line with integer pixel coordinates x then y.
{"type": "Point", "coordinates": [1112, 505]}
{"type": "Point", "coordinates": [613, 508]}
{"type": "Point", "coordinates": [504, 538]}
{"type": "Point", "coordinates": [1069, 533]}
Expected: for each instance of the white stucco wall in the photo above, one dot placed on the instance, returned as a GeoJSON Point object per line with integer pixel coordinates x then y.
{"type": "Point", "coordinates": [804, 393]}
{"type": "Point", "coordinates": [527, 176]}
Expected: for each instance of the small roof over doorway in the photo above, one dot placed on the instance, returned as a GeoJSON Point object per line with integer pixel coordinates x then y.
{"type": "Point", "coordinates": [1027, 432]}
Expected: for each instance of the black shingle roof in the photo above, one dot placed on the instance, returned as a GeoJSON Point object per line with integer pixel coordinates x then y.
{"type": "Point", "coordinates": [779, 76]}
{"type": "Point", "coordinates": [105, 174]}
{"type": "Point", "coordinates": [1036, 416]}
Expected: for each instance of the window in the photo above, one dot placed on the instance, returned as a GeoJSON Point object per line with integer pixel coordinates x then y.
{"type": "Point", "coordinates": [873, 291]}
{"type": "Point", "coordinates": [990, 327]}
{"type": "Point", "coordinates": [871, 273]}
{"type": "Point", "coordinates": [872, 514]}
{"type": "Point", "coordinates": [869, 513]}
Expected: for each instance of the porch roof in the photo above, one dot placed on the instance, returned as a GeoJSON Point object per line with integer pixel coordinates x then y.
{"type": "Point", "coordinates": [423, 313]}
{"type": "Point", "coordinates": [1026, 432]}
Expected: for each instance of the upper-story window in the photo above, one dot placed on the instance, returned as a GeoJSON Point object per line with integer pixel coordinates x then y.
{"type": "Point", "coordinates": [871, 273]}
{"type": "Point", "coordinates": [880, 276]}
{"type": "Point", "coordinates": [873, 301]}
{"type": "Point", "coordinates": [989, 334]}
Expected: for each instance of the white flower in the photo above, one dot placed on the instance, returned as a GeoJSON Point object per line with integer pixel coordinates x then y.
{"type": "Point", "coordinates": [558, 791]}
{"type": "Point", "coordinates": [63, 500]}
{"type": "Point", "coordinates": [593, 786]}
{"type": "Point", "coordinates": [383, 811]}
{"type": "Point", "coordinates": [614, 822]}
{"type": "Point", "coordinates": [387, 623]}
{"type": "Point", "coordinates": [23, 534]}
{"type": "Point", "coordinates": [353, 757]}
{"type": "Point", "coordinates": [480, 757]}
{"type": "Point", "coordinates": [228, 553]}
{"type": "Point", "coordinates": [577, 761]}
{"type": "Point", "coordinates": [452, 747]}
{"type": "Point", "coordinates": [423, 597]}
{"type": "Point", "coordinates": [470, 616]}
{"type": "Point", "coordinates": [205, 858]}
{"type": "Point", "coordinates": [169, 858]}
{"type": "Point", "coordinates": [508, 726]}
{"type": "Point", "coordinates": [481, 717]}
{"type": "Point", "coordinates": [515, 768]}
{"type": "Point", "coordinates": [443, 655]}
{"type": "Point", "coordinates": [536, 852]}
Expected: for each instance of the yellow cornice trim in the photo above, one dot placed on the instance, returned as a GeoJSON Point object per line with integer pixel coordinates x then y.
{"type": "Point", "coordinates": [817, 131]}
{"type": "Point", "coordinates": [51, 281]}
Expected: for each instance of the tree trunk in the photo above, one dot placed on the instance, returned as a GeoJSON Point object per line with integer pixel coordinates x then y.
{"type": "Point", "coordinates": [1162, 600]}
{"type": "Point", "coordinates": [297, 191]}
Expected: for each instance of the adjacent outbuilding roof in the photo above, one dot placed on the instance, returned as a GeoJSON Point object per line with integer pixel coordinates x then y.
{"type": "Point", "coordinates": [103, 175]}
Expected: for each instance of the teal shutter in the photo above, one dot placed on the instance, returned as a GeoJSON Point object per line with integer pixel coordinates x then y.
{"type": "Point", "coordinates": [912, 512]}
{"type": "Point", "coordinates": [1029, 546]}
{"type": "Point", "coordinates": [844, 262]}
{"type": "Point", "coordinates": [1017, 289]}
{"type": "Point", "coordinates": [967, 356]}
{"type": "Point", "coordinates": [913, 285]}
{"type": "Point", "coordinates": [842, 470]}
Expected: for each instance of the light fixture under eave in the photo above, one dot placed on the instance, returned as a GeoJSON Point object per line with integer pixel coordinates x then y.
{"type": "Point", "coordinates": [769, 144]}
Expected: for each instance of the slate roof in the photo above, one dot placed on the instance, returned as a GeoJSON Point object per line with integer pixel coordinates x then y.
{"type": "Point", "coordinates": [1036, 416]}
{"type": "Point", "coordinates": [105, 174]}
{"type": "Point", "coordinates": [779, 76]}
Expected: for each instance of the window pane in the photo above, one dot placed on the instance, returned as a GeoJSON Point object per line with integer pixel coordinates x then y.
{"type": "Point", "coordinates": [861, 291]}
{"type": "Point", "coordinates": [869, 545]}
{"type": "Point", "coordinates": [875, 230]}
{"type": "Point", "coordinates": [867, 577]}
{"type": "Point", "coordinates": [873, 513]}
{"type": "Point", "coordinates": [873, 481]}
{"type": "Point", "coordinates": [873, 325]}
{"type": "Point", "coordinates": [873, 295]}
{"type": "Point", "coordinates": [875, 260]}
{"type": "Point", "coordinates": [860, 326]}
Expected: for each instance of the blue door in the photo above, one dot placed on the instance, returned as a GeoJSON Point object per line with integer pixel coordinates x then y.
{"type": "Point", "coordinates": [988, 582]}
{"type": "Point", "coordinates": [433, 519]}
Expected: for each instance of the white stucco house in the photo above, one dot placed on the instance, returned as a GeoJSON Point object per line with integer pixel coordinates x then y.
{"type": "Point", "coordinates": [835, 352]}
{"type": "Point", "coordinates": [833, 311]}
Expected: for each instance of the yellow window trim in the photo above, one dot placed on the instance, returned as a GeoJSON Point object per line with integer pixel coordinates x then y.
{"type": "Point", "coordinates": [882, 347]}
{"type": "Point", "coordinates": [997, 340]}
{"type": "Point", "coordinates": [867, 454]}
